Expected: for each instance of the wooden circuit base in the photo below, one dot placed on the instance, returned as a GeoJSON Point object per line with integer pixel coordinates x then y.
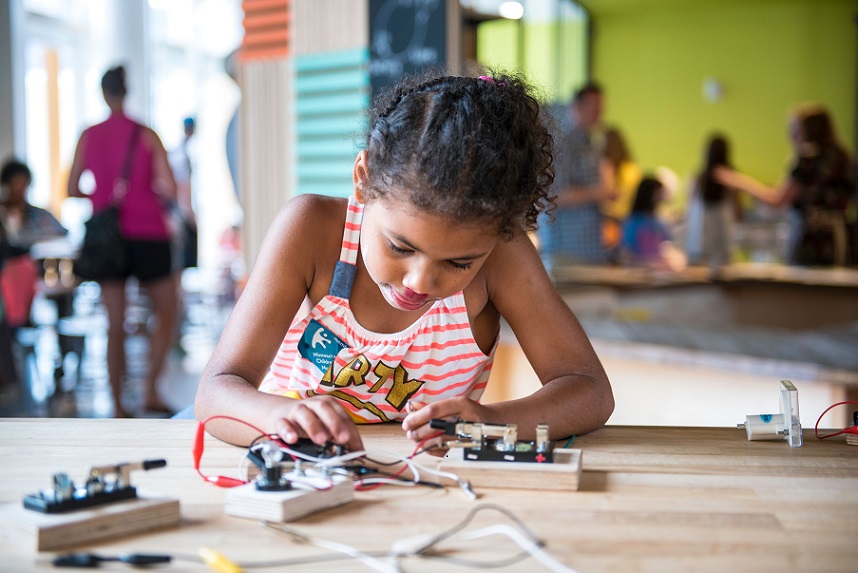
{"type": "Point", "coordinates": [48, 532]}
{"type": "Point", "coordinates": [852, 439]}
{"type": "Point", "coordinates": [563, 474]}
{"type": "Point", "coordinates": [283, 506]}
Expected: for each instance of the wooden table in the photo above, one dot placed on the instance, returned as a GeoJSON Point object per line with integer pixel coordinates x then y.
{"type": "Point", "coordinates": [651, 499]}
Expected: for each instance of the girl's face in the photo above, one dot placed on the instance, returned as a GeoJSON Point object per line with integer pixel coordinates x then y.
{"type": "Point", "coordinates": [415, 257]}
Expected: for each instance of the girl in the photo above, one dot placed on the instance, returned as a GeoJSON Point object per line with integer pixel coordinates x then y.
{"type": "Point", "coordinates": [622, 174]}
{"type": "Point", "coordinates": [646, 239]}
{"type": "Point", "coordinates": [714, 206]}
{"type": "Point", "coordinates": [818, 190]}
{"type": "Point", "coordinates": [408, 280]}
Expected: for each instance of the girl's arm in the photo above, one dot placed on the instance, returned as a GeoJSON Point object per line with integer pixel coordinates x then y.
{"type": "Point", "coordinates": [575, 396]}
{"type": "Point", "coordinates": [776, 196]}
{"type": "Point", "coordinates": [77, 169]}
{"type": "Point", "coordinates": [282, 276]}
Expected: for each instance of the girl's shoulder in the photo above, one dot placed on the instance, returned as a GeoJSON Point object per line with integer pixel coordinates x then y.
{"type": "Point", "coordinates": [316, 211]}
{"type": "Point", "coordinates": [304, 240]}
{"type": "Point", "coordinates": [315, 222]}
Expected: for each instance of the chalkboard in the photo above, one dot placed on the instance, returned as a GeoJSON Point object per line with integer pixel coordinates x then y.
{"type": "Point", "coordinates": [405, 36]}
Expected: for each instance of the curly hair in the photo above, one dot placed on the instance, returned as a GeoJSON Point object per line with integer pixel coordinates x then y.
{"type": "Point", "coordinates": [474, 149]}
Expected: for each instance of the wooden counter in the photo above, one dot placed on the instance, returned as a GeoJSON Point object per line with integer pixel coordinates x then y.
{"type": "Point", "coordinates": [652, 499]}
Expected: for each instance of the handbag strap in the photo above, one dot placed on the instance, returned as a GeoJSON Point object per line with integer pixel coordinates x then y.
{"type": "Point", "coordinates": [125, 175]}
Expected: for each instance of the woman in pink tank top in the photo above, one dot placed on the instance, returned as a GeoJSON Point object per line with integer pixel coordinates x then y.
{"type": "Point", "coordinates": [407, 282]}
{"type": "Point", "coordinates": [103, 149]}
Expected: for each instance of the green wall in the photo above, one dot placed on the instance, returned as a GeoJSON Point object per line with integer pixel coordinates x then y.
{"type": "Point", "coordinates": [554, 57]}
{"type": "Point", "coordinates": [652, 56]}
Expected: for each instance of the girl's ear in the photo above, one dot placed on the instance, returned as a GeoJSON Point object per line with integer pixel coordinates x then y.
{"type": "Point", "coordinates": [360, 175]}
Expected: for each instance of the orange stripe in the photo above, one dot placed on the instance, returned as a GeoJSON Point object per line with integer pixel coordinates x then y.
{"type": "Point", "coordinates": [446, 375]}
{"type": "Point", "coordinates": [275, 38]}
{"type": "Point", "coordinates": [254, 20]}
{"type": "Point", "coordinates": [443, 362]}
{"type": "Point", "coordinates": [445, 390]}
{"type": "Point", "coordinates": [254, 5]}
{"type": "Point", "coordinates": [255, 55]}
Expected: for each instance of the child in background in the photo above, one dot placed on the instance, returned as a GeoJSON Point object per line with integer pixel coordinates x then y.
{"type": "Point", "coordinates": [407, 281]}
{"type": "Point", "coordinates": [622, 174]}
{"type": "Point", "coordinates": [712, 210]}
{"type": "Point", "coordinates": [646, 240]}
{"type": "Point", "coordinates": [25, 225]}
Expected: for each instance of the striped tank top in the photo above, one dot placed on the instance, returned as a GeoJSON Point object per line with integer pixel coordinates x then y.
{"type": "Point", "coordinates": [375, 375]}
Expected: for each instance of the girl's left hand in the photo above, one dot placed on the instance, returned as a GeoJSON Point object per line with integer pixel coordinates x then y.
{"type": "Point", "coordinates": [416, 423]}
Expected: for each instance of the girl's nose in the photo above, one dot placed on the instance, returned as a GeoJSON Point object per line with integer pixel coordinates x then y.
{"type": "Point", "coordinates": [420, 278]}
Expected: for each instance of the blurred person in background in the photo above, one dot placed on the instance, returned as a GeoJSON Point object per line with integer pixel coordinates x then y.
{"type": "Point", "coordinates": [143, 213]}
{"type": "Point", "coordinates": [10, 389]}
{"type": "Point", "coordinates": [622, 174]}
{"type": "Point", "coordinates": [575, 233]}
{"type": "Point", "coordinates": [713, 209]}
{"type": "Point", "coordinates": [646, 238]}
{"type": "Point", "coordinates": [818, 190]}
{"type": "Point", "coordinates": [185, 233]}
{"type": "Point", "coordinates": [24, 226]}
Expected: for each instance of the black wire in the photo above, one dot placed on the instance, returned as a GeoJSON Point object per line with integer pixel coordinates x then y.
{"type": "Point", "coordinates": [401, 461]}
{"type": "Point", "coordinates": [406, 480]}
{"type": "Point", "coordinates": [477, 564]}
{"type": "Point", "coordinates": [262, 436]}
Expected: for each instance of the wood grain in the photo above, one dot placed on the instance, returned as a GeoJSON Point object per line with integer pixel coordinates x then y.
{"type": "Point", "coordinates": [650, 500]}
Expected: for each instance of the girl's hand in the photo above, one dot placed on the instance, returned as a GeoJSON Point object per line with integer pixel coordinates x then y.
{"type": "Point", "coordinates": [416, 424]}
{"type": "Point", "coordinates": [320, 418]}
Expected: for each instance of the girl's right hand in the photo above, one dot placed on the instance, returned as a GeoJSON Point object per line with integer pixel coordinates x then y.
{"type": "Point", "coordinates": [320, 418]}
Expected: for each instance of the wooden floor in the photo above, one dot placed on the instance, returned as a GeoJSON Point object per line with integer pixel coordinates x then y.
{"type": "Point", "coordinates": [56, 383]}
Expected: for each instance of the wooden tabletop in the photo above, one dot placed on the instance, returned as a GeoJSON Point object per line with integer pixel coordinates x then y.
{"type": "Point", "coordinates": [651, 499]}
{"type": "Point", "coordinates": [763, 273]}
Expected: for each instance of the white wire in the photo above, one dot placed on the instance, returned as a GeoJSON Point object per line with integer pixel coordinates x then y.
{"type": "Point", "coordinates": [364, 558]}
{"type": "Point", "coordinates": [420, 545]}
{"type": "Point", "coordinates": [526, 544]}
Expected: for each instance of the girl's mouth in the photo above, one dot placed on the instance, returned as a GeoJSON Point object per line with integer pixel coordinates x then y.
{"type": "Point", "coordinates": [409, 300]}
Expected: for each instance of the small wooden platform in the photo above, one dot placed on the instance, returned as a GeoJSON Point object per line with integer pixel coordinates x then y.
{"type": "Point", "coordinates": [48, 532]}
{"type": "Point", "coordinates": [282, 506]}
{"type": "Point", "coordinates": [562, 474]}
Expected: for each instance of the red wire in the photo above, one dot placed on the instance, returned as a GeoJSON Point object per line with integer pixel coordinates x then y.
{"type": "Point", "coordinates": [231, 418]}
{"type": "Point", "coordinates": [843, 431]}
{"type": "Point", "coordinates": [199, 446]}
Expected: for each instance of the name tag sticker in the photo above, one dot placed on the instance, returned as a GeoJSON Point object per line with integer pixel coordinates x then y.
{"type": "Point", "coordinates": [319, 345]}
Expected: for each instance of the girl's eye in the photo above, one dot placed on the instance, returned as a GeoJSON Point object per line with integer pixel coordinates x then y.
{"type": "Point", "coordinates": [398, 250]}
{"type": "Point", "coordinates": [455, 265]}
{"type": "Point", "coordinates": [460, 266]}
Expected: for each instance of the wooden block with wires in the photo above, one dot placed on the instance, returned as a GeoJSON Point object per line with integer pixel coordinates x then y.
{"type": "Point", "coordinates": [564, 473]}
{"type": "Point", "coordinates": [491, 455]}
{"type": "Point", "coordinates": [288, 504]}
